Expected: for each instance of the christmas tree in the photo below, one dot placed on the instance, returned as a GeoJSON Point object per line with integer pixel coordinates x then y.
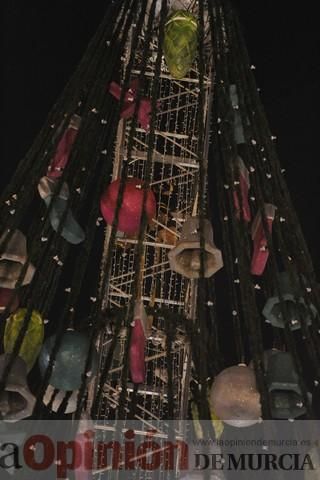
{"type": "Point", "coordinates": [152, 264]}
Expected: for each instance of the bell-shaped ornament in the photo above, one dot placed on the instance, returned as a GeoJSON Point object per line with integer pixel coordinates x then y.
{"type": "Point", "coordinates": [180, 42]}
{"type": "Point", "coordinates": [234, 397]}
{"type": "Point", "coordinates": [185, 257]}
{"type": "Point", "coordinates": [12, 259]}
{"type": "Point", "coordinates": [283, 385]}
{"type": "Point", "coordinates": [33, 338]}
{"type": "Point", "coordinates": [47, 187]}
{"type": "Point", "coordinates": [70, 361]}
{"type": "Point", "coordinates": [71, 406]}
{"type": "Point", "coordinates": [71, 230]}
{"type": "Point", "coordinates": [294, 309]}
{"type": "Point", "coordinates": [16, 400]}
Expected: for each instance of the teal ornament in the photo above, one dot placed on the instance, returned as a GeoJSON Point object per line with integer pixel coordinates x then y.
{"type": "Point", "coordinates": [180, 42]}
{"type": "Point", "coordinates": [282, 380]}
{"type": "Point", "coordinates": [295, 305]}
{"type": "Point", "coordinates": [71, 230]}
{"type": "Point", "coordinates": [238, 131]}
{"type": "Point", "coordinates": [70, 361]}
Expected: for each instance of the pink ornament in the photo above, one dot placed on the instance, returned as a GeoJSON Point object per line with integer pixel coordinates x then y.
{"type": "Point", "coordinates": [63, 151]}
{"type": "Point", "coordinates": [260, 245]}
{"type": "Point", "coordinates": [137, 344]}
{"type": "Point", "coordinates": [131, 207]}
{"type": "Point", "coordinates": [129, 105]}
{"type": "Point", "coordinates": [244, 184]}
{"type": "Point", "coordinates": [137, 366]}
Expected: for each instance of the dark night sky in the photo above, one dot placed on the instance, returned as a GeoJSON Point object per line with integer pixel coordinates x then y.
{"type": "Point", "coordinates": [43, 41]}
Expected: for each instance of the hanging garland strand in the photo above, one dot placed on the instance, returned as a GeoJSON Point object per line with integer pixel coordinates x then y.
{"type": "Point", "coordinates": [228, 155]}
{"type": "Point", "coordinates": [81, 267]}
{"type": "Point", "coordinates": [139, 251]}
{"type": "Point", "coordinates": [227, 238]}
{"type": "Point", "coordinates": [247, 107]}
{"type": "Point", "coordinates": [111, 245]}
{"type": "Point", "coordinates": [296, 237]}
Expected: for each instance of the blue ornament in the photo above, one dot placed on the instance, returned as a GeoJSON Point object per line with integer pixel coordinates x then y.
{"type": "Point", "coordinates": [70, 361]}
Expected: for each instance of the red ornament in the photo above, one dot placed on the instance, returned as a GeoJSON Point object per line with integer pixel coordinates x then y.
{"type": "Point", "coordinates": [131, 207]}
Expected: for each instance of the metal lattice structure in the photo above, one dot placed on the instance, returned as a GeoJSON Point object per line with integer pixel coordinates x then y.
{"type": "Point", "coordinates": [175, 176]}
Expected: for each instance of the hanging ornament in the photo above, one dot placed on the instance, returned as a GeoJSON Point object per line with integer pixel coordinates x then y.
{"type": "Point", "coordinates": [283, 385]}
{"type": "Point", "coordinates": [234, 396]}
{"type": "Point", "coordinates": [63, 150]}
{"type": "Point", "coordinates": [237, 122]}
{"type": "Point", "coordinates": [216, 422]}
{"type": "Point", "coordinates": [12, 260]}
{"type": "Point", "coordinates": [71, 230]}
{"type": "Point", "coordinates": [129, 105]}
{"type": "Point", "coordinates": [180, 42]}
{"type": "Point", "coordinates": [71, 406]}
{"type": "Point", "coordinates": [48, 186]}
{"type": "Point", "coordinates": [137, 343]}
{"type": "Point", "coordinates": [260, 245]}
{"type": "Point", "coordinates": [244, 184]}
{"type": "Point", "coordinates": [33, 338]}
{"type": "Point", "coordinates": [295, 305]}
{"type": "Point", "coordinates": [7, 296]}
{"type": "Point", "coordinates": [70, 360]}
{"type": "Point", "coordinates": [185, 257]}
{"type": "Point", "coordinates": [16, 400]}
{"type": "Point", "coordinates": [132, 203]}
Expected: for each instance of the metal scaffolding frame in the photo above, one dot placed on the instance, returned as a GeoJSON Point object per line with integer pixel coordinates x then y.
{"type": "Point", "coordinates": [174, 181]}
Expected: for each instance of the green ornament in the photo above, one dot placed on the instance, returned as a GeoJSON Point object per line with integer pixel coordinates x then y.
{"type": "Point", "coordinates": [33, 339]}
{"type": "Point", "coordinates": [180, 42]}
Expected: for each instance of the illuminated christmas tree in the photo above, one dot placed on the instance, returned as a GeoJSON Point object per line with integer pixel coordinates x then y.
{"type": "Point", "coordinates": [152, 265]}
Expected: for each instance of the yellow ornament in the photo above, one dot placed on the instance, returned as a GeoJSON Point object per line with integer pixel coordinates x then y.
{"type": "Point", "coordinates": [216, 422]}
{"type": "Point", "coordinates": [33, 338]}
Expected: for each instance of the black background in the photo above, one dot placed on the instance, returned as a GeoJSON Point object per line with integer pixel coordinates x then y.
{"type": "Point", "coordinates": [42, 43]}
